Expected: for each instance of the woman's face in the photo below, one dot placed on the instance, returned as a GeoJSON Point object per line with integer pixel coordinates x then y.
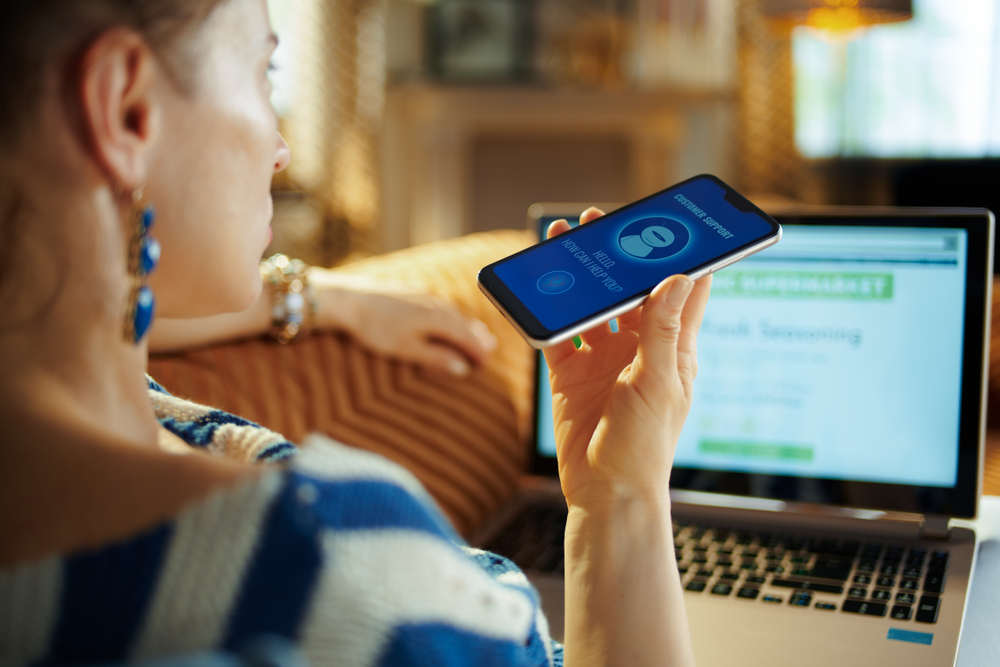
{"type": "Point", "coordinates": [210, 171]}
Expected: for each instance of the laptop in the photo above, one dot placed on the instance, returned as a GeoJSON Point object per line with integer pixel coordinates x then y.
{"type": "Point", "coordinates": [835, 437]}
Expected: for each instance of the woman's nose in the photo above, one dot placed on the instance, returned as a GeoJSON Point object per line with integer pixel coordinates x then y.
{"type": "Point", "coordinates": [283, 156]}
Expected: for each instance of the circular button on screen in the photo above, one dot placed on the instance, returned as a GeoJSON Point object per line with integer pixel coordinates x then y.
{"type": "Point", "coordinates": [555, 282]}
{"type": "Point", "coordinates": [653, 238]}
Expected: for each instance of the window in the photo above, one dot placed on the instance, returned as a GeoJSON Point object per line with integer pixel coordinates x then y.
{"type": "Point", "coordinates": [928, 87]}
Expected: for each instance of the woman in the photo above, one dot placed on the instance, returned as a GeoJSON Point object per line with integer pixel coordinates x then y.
{"type": "Point", "coordinates": [115, 549]}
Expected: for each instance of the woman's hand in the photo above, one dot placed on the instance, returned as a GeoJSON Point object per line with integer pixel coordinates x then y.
{"type": "Point", "coordinates": [619, 404]}
{"type": "Point", "coordinates": [398, 321]}
{"type": "Point", "coordinates": [620, 400]}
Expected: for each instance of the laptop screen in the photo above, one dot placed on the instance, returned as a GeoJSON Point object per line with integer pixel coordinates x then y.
{"type": "Point", "coordinates": [835, 366]}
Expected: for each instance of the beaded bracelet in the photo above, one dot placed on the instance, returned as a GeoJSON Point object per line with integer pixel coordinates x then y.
{"type": "Point", "coordinates": [293, 302]}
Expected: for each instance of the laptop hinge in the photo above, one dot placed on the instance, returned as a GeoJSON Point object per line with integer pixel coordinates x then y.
{"type": "Point", "coordinates": [934, 527]}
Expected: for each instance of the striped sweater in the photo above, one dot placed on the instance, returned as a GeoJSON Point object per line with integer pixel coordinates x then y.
{"type": "Point", "coordinates": [343, 552]}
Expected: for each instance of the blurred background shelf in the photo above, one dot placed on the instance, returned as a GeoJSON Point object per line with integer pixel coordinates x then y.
{"type": "Point", "coordinates": [460, 159]}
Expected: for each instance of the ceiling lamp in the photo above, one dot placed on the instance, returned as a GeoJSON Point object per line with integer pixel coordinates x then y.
{"type": "Point", "coordinates": [836, 15]}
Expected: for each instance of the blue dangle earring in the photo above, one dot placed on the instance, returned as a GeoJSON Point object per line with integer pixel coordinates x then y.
{"type": "Point", "coordinates": [143, 256]}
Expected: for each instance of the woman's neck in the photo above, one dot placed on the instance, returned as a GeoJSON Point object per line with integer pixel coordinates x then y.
{"type": "Point", "coordinates": [64, 362]}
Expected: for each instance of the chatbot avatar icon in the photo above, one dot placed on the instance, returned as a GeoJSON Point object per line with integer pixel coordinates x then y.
{"type": "Point", "coordinates": [653, 238]}
{"type": "Point", "coordinates": [555, 282]}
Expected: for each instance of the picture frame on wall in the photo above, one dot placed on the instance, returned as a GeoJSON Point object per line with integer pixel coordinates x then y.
{"type": "Point", "coordinates": [480, 40]}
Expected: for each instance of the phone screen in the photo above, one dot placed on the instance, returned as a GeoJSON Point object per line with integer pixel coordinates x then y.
{"type": "Point", "coordinates": [570, 278]}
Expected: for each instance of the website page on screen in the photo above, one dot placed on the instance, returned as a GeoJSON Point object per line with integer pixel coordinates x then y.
{"type": "Point", "coordinates": [836, 354]}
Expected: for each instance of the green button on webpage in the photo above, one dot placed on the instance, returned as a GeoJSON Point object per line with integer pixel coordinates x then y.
{"type": "Point", "coordinates": [756, 450]}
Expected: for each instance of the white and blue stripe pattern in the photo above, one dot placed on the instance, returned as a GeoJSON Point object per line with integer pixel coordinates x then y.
{"type": "Point", "coordinates": [342, 553]}
{"type": "Point", "coordinates": [216, 431]}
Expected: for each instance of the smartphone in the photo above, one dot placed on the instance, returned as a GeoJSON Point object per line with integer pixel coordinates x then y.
{"type": "Point", "coordinates": [561, 287]}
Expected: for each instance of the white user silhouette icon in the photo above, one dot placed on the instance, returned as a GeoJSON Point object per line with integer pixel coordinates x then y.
{"type": "Point", "coordinates": [643, 244]}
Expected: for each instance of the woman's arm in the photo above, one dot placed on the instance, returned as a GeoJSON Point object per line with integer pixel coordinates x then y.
{"type": "Point", "coordinates": [624, 602]}
{"type": "Point", "coordinates": [392, 320]}
{"type": "Point", "coordinates": [619, 403]}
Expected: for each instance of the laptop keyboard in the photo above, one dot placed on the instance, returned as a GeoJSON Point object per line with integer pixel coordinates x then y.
{"type": "Point", "coordinates": [904, 582]}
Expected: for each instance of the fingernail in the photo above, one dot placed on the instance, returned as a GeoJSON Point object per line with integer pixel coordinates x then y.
{"type": "Point", "coordinates": [458, 367]}
{"type": "Point", "coordinates": [679, 290]}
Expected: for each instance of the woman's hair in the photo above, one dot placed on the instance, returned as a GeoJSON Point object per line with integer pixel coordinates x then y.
{"type": "Point", "coordinates": [37, 35]}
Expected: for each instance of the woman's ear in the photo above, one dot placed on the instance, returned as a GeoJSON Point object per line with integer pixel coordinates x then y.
{"type": "Point", "coordinates": [119, 114]}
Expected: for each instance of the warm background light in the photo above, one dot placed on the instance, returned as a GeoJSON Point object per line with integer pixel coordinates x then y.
{"type": "Point", "coordinates": [837, 15]}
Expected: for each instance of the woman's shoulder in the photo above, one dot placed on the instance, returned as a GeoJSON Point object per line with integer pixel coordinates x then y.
{"type": "Point", "coordinates": [343, 549]}
{"type": "Point", "coordinates": [217, 431]}
{"type": "Point", "coordinates": [399, 586]}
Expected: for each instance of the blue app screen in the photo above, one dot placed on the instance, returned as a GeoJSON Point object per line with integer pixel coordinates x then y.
{"type": "Point", "coordinates": [629, 252]}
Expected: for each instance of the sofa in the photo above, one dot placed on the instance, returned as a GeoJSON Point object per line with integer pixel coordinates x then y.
{"type": "Point", "coordinates": [464, 439]}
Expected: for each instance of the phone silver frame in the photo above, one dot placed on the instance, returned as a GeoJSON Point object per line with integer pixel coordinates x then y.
{"type": "Point", "coordinates": [623, 308]}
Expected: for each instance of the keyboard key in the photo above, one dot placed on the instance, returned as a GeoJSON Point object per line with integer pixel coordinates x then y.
{"type": "Point", "coordinates": [682, 571]}
{"type": "Point", "coordinates": [794, 543]}
{"type": "Point", "coordinates": [808, 586]}
{"type": "Point", "coordinates": [881, 594]}
{"type": "Point", "coordinates": [837, 570]}
{"type": "Point", "coordinates": [826, 605]}
{"type": "Point", "coordinates": [871, 552]}
{"type": "Point", "coordinates": [799, 559]}
{"type": "Point", "coordinates": [866, 566]}
{"type": "Point", "coordinates": [934, 582]}
{"type": "Point", "coordinates": [775, 599]}
{"type": "Point", "coordinates": [888, 582]}
{"type": "Point", "coordinates": [864, 608]}
{"type": "Point", "coordinates": [801, 572]}
{"type": "Point", "coordinates": [696, 586]}
{"type": "Point", "coordinates": [927, 610]}
{"type": "Point", "coordinates": [724, 562]}
{"type": "Point", "coordinates": [901, 612]}
{"type": "Point", "coordinates": [800, 600]}
{"type": "Point", "coordinates": [775, 569]}
{"type": "Point", "coordinates": [722, 589]}
{"type": "Point", "coordinates": [730, 576]}
{"type": "Point", "coordinates": [748, 593]}
{"type": "Point", "coordinates": [699, 559]}
{"type": "Point", "coordinates": [755, 580]}
{"type": "Point", "coordinates": [704, 573]}
{"type": "Point", "coordinates": [749, 566]}
{"type": "Point", "coordinates": [905, 598]}
{"type": "Point", "coordinates": [863, 579]}
{"type": "Point", "coordinates": [890, 569]}
{"type": "Point", "coordinates": [909, 584]}
{"type": "Point", "coordinates": [858, 592]}
{"type": "Point", "coordinates": [912, 572]}
{"type": "Point", "coordinates": [939, 560]}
